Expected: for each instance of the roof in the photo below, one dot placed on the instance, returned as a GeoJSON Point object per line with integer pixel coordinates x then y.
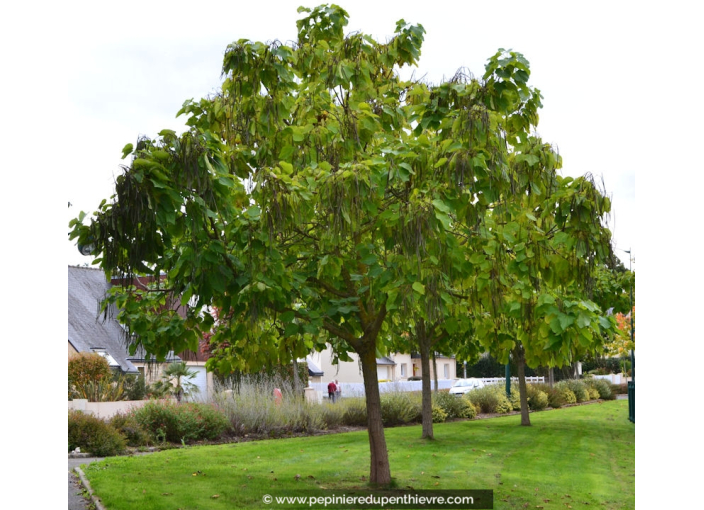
{"type": "Point", "coordinates": [313, 370]}
{"type": "Point", "coordinates": [88, 329]}
{"type": "Point", "coordinates": [385, 361]}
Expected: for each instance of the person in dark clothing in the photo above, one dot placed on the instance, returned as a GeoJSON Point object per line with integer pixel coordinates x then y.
{"type": "Point", "coordinates": [331, 391]}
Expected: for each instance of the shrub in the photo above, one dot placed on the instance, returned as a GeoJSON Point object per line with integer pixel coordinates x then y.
{"type": "Point", "coordinates": [399, 408]}
{"type": "Point", "coordinates": [135, 387]}
{"type": "Point", "coordinates": [169, 421]}
{"type": "Point", "coordinates": [469, 411]}
{"type": "Point", "coordinates": [619, 389]}
{"type": "Point", "coordinates": [454, 407]}
{"type": "Point", "coordinates": [490, 399]}
{"type": "Point", "coordinates": [504, 405]}
{"type": "Point", "coordinates": [515, 398]}
{"type": "Point", "coordinates": [88, 373]}
{"type": "Point", "coordinates": [250, 407]}
{"type": "Point", "coordinates": [439, 415]}
{"type": "Point", "coordinates": [567, 394]}
{"type": "Point", "coordinates": [355, 412]}
{"type": "Point", "coordinates": [599, 388]}
{"type": "Point", "coordinates": [93, 435]}
{"type": "Point", "coordinates": [537, 399]}
{"type": "Point", "coordinates": [577, 387]}
{"type": "Point", "coordinates": [555, 397]}
{"type": "Point", "coordinates": [331, 415]}
{"type": "Point", "coordinates": [128, 426]}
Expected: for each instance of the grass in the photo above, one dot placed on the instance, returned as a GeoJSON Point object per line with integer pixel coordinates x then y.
{"type": "Point", "coordinates": [569, 458]}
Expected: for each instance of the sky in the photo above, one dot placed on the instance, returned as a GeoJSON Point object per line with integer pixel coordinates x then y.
{"type": "Point", "coordinates": [129, 75]}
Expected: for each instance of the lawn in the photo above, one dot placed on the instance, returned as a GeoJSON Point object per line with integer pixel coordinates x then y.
{"type": "Point", "coordinates": [576, 457]}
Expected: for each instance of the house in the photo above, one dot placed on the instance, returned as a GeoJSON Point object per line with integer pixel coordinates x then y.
{"type": "Point", "coordinates": [395, 367]}
{"type": "Point", "coordinates": [91, 331]}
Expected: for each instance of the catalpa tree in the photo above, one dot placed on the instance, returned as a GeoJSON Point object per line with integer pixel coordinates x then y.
{"type": "Point", "coordinates": [316, 197]}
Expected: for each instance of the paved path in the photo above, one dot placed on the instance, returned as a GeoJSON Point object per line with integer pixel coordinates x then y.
{"type": "Point", "coordinates": [76, 501]}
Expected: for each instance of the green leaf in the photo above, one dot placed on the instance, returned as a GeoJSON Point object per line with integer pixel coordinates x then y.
{"type": "Point", "coordinates": [286, 152]}
{"type": "Point", "coordinates": [127, 150]}
{"type": "Point", "coordinates": [440, 162]}
{"type": "Point", "coordinates": [583, 320]}
{"type": "Point", "coordinates": [287, 316]}
{"type": "Point", "coordinates": [419, 288]}
{"type": "Point", "coordinates": [441, 206]}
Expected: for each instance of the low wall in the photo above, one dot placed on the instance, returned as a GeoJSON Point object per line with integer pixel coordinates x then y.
{"type": "Point", "coordinates": [104, 410]}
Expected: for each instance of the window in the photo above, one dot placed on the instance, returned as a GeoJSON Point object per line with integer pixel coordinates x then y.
{"type": "Point", "coordinates": [446, 368]}
{"type": "Point", "coordinates": [403, 370]}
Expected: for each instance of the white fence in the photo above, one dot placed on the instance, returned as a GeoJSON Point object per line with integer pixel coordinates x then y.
{"type": "Point", "coordinates": [357, 389]}
{"type": "Point", "coordinates": [612, 378]}
{"type": "Point", "coordinates": [499, 380]}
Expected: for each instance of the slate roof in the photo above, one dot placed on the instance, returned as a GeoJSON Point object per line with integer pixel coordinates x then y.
{"type": "Point", "coordinates": [313, 370]}
{"type": "Point", "coordinates": [87, 328]}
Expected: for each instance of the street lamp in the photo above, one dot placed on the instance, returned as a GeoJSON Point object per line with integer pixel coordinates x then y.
{"type": "Point", "coordinates": [633, 343]}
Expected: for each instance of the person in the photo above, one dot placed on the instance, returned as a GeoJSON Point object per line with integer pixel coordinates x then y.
{"type": "Point", "coordinates": [278, 396]}
{"type": "Point", "coordinates": [331, 391]}
{"type": "Point", "coordinates": [338, 390]}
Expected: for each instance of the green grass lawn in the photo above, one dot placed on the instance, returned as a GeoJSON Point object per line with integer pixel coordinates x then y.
{"type": "Point", "coordinates": [577, 457]}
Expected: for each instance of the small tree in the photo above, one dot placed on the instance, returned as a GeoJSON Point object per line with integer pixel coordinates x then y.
{"type": "Point", "coordinates": [86, 371]}
{"type": "Point", "coordinates": [177, 379]}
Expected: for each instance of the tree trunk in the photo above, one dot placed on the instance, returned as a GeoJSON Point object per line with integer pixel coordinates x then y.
{"type": "Point", "coordinates": [427, 400]}
{"type": "Point", "coordinates": [520, 359]}
{"type": "Point", "coordinates": [296, 380]}
{"type": "Point", "coordinates": [380, 471]}
{"type": "Point", "coordinates": [435, 372]}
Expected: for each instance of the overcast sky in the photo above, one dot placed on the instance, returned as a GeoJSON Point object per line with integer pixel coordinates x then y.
{"type": "Point", "coordinates": [129, 75]}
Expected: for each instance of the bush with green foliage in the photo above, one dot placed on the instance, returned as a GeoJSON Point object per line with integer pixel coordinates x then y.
{"type": "Point", "coordinates": [555, 397]}
{"type": "Point", "coordinates": [355, 412]}
{"type": "Point", "coordinates": [619, 389]}
{"type": "Point", "coordinates": [186, 422]}
{"type": "Point", "coordinates": [454, 406]}
{"type": "Point", "coordinates": [399, 408]}
{"type": "Point", "coordinates": [577, 387]}
{"type": "Point", "coordinates": [134, 386]}
{"type": "Point", "coordinates": [128, 425]}
{"type": "Point", "coordinates": [537, 399]}
{"type": "Point", "coordinates": [567, 394]}
{"type": "Point", "coordinates": [580, 390]}
{"type": "Point", "coordinates": [515, 398]}
{"type": "Point", "coordinates": [599, 388]}
{"type": "Point", "coordinates": [439, 415]}
{"type": "Point", "coordinates": [89, 376]}
{"type": "Point", "coordinates": [93, 435]}
{"type": "Point", "coordinates": [491, 399]}
{"type": "Point", "coordinates": [331, 415]}
{"type": "Point", "coordinates": [250, 407]}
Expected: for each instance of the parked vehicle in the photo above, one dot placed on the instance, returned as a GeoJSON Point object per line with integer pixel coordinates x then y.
{"type": "Point", "coordinates": [462, 386]}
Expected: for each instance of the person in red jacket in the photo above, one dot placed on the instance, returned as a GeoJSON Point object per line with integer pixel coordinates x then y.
{"type": "Point", "coordinates": [331, 391]}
